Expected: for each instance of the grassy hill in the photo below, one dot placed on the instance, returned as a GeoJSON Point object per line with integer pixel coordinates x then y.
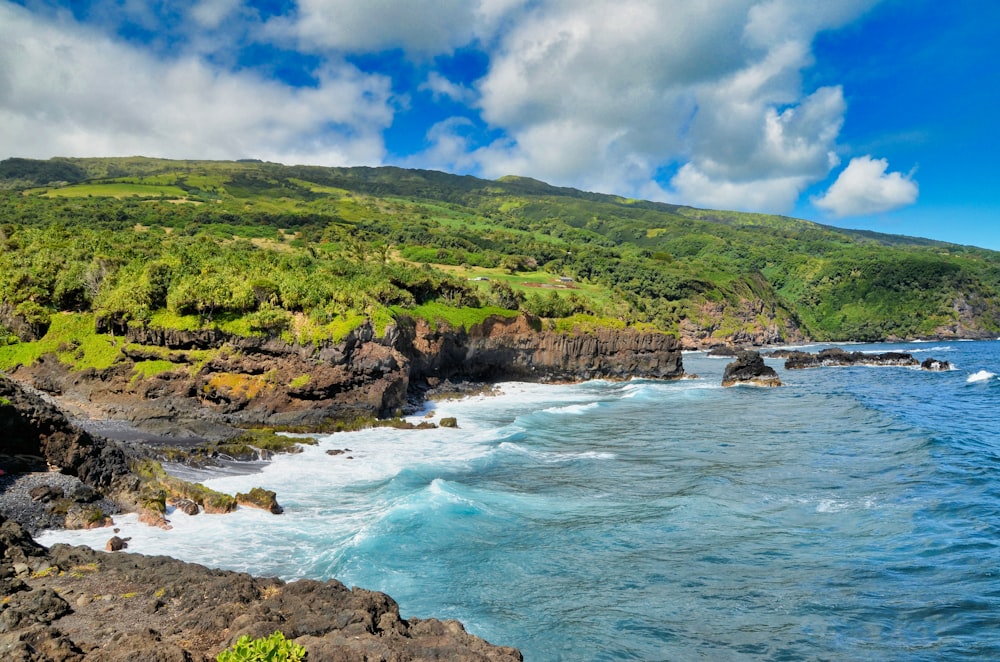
{"type": "Point", "coordinates": [311, 252]}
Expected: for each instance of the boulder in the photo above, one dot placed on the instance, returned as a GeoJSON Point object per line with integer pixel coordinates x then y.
{"type": "Point", "coordinates": [933, 365]}
{"type": "Point", "coordinates": [749, 368]}
{"type": "Point", "coordinates": [186, 506]}
{"type": "Point", "coordinates": [115, 544]}
{"type": "Point", "coordinates": [258, 497]}
{"type": "Point", "coordinates": [45, 493]}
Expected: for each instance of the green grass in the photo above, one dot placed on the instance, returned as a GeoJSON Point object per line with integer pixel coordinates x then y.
{"type": "Point", "coordinates": [531, 282]}
{"type": "Point", "coordinates": [310, 332]}
{"type": "Point", "coordinates": [72, 338]}
{"type": "Point", "coordinates": [116, 190]}
{"type": "Point", "coordinates": [147, 369]}
{"type": "Point", "coordinates": [164, 319]}
{"type": "Point", "coordinates": [586, 324]}
{"type": "Point", "coordinates": [458, 318]}
{"type": "Point", "coordinates": [299, 381]}
{"type": "Point", "coordinates": [237, 325]}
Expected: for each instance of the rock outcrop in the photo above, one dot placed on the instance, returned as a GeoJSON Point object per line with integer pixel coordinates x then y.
{"type": "Point", "coordinates": [753, 320]}
{"type": "Point", "coordinates": [30, 427]}
{"type": "Point", "coordinates": [837, 357]}
{"type": "Point", "coordinates": [74, 603]}
{"type": "Point", "coordinates": [270, 382]}
{"type": "Point", "coordinates": [749, 369]}
{"type": "Point", "coordinates": [933, 365]}
{"type": "Point", "coordinates": [518, 348]}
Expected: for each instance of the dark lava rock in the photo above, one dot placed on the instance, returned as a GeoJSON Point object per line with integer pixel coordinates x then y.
{"type": "Point", "coordinates": [723, 351]}
{"type": "Point", "coordinates": [836, 357]}
{"type": "Point", "coordinates": [749, 368]}
{"type": "Point", "coordinates": [186, 506]}
{"type": "Point", "coordinates": [31, 426]}
{"type": "Point", "coordinates": [115, 544]}
{"type": "Point", "coordinates": [933, 365]}
{"type": "Point", "coordinates": [260, 498]}
{"type": "Point", "coordinates": [135, 607]}
{"type": "Point", "coordinates": [45, 493]}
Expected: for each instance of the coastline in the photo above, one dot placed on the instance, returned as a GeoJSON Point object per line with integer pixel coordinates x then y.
{"type": "Point", "coordinates": [74, 603]}
{"type": "Point", "coordinates": [318, 454]}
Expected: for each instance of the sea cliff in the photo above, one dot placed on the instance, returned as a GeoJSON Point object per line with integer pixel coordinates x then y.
{"type": "Point", "coordinates": [144, 605]}
{"type": "Point", "coordinates": [215, 380]}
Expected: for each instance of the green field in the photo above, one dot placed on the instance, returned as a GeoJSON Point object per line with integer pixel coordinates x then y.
{"type": "Point", "coordinates": [311, 253]}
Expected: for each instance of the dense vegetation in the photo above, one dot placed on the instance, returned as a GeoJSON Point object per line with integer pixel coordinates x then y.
{"type": "Point", "coordinates": [309, 252]}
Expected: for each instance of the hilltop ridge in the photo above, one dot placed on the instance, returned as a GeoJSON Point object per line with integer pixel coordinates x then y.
{"type": "Point", "coordinates": [518, 244]}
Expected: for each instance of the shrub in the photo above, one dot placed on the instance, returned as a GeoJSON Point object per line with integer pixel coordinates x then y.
{"type": "Point", "coordinates": [272, 649]}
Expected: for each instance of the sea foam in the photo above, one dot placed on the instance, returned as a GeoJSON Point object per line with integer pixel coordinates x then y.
{"type": "Point", "coordinates": [981, 376]}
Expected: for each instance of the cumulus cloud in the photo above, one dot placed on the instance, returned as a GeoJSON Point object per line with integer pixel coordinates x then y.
{"type": "Point", "coordinates": [864, 187]}
{"type": "Point", "coordinates": [598, 94]}
{"type": "Point", "coordinates": [211, 13]}
{"type": "Point", "coordinates": [601, 94]}
{"type": "Point", "coordinates": [441, 87]}
{"type": "Point", "coordinates": [66, 90]}
{"type": "Point", "coordinates": [419, 27]}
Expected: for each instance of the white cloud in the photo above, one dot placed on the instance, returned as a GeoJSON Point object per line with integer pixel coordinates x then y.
{"type": "Point", "coordinates": [597, 94]}
{"type": "Point", "coordinates": [66, 90]}
{"type": "Point", "coordinates": [600, 94]}
{"type": "Point", "coordinates": [211, 13]}
{"type": "Point", "coordinates": [420, 27]}
{"type": "Point", "coordinates": [864, 187]}
{"type": "Point", "coordinates": [440, 87]}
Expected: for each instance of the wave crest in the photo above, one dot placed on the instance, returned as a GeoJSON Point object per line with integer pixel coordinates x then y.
{"type": "Point", "coordinates": [981, 376]}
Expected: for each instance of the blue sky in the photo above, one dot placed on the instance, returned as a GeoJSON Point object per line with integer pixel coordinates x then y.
{"type": "Point", "coordinates": [858, 113]}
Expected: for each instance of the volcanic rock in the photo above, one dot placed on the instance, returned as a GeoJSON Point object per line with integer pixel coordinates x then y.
{"type": "Point", "coordinates": [933, 365]}
{"type": "Point", "coordinates": [837, 357]}
{"type": "Point", "coordinates": [115, 544]}
{"type": "Point", "coordinates": [260, 498]}
{"type": "Point", "coordinates": [749, 368]}
{"type": "Point", "coordinates": [163, 609]}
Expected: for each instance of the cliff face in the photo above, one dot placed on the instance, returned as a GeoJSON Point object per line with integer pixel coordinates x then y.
{"type": "Point", "coordinates": [516, 349]}
{"type": "Point", "coordinates": [32, 428]}
{"type": "Point", "coordinates": [267, 381]}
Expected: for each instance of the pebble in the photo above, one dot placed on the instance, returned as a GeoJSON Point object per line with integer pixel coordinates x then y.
{"type": "Point", "coordinates": [16, 502]}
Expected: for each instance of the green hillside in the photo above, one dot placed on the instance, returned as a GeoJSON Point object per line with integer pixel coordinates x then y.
{"type": "Point", "coordinates": [312, 252]}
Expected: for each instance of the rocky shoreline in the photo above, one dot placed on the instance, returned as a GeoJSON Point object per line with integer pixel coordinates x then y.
{"type": "Point", "coordinates": [217, 384]}
{"type": "Point", "coordinates": [74, 603]}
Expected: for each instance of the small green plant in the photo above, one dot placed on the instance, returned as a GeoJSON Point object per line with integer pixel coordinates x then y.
{"type": "Point", "coordinates": [266, 649]}
{"type": "Point", "coordinates": [299, 381]}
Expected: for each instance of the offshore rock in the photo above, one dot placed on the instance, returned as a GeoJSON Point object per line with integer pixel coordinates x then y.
{"type": "Point", "coordinates": [837, 357]}
{"type": "Point", "coordinates": [261, 499]}
{"type": "Point", "coordinates": [933, 365]}
{"type": "Point", "coordinates": [749, 369]}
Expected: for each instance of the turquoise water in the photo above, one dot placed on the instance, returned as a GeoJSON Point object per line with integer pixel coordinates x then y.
{"type": "Point", "coordinates": [852, 514]}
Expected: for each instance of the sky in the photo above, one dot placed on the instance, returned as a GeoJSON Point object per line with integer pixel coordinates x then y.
{"type": "Point", "coordinates": [867, 114]}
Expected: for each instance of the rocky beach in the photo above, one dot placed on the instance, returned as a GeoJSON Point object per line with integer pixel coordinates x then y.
{"type": "Point", "coordinates": [70, 603]}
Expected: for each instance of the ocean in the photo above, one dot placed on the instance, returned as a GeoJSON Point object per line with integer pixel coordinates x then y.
{"type": "Point", "coordinates": [853, 513]}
